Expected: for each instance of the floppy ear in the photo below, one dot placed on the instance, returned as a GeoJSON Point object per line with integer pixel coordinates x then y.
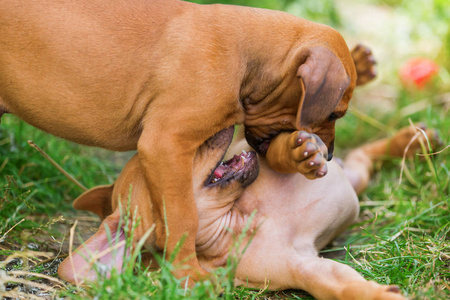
{"type": "Point", "coordinates": [324, 81]}
{"type": "Point", "coordinates": [96, 200]}
{"type": "Point", "coordinates": [99, 250]}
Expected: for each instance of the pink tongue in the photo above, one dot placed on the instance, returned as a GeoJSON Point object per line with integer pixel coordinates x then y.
{"type": "Point", "coordinates": [218, 173]}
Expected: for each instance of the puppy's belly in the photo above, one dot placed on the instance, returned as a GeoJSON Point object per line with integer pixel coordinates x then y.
{"type": "Point", "coordinates": [297, 216]}
{"type": "Point", "coordinates": [303, 213]}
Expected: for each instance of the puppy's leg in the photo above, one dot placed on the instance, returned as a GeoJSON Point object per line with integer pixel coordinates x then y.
{"type": "Point", "coordinates": [326, 279]}
{"type": "Point", "coordinates": [358, 165]}
{"type": "Point", "coordinates": [171, 136]}
{"type": "Point", "coordinates": [298, 151]}
{"type": "Point", "coordinates": [167, 164]}
{"type": "Point", "coordinates": [364, 63]}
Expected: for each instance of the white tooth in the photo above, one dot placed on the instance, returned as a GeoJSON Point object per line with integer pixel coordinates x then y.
{"type": "Point", "coordinates": [245, 152]}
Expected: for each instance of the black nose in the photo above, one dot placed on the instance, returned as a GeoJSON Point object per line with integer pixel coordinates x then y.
{"type": "Point", "coordinates": [330, 156]}
{"type": "Point", "coordinates": [330, 150]}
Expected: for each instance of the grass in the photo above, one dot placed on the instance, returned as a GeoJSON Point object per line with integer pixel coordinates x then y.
{"type": "Point", "coordinates": [402, 236]}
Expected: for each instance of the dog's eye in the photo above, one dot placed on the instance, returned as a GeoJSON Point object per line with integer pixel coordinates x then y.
{"type": "Point", "coordinates": [332, 117]}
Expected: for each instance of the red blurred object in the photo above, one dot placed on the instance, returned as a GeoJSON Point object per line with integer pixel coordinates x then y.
{"type": "Point", "coordinates": [418, 72]}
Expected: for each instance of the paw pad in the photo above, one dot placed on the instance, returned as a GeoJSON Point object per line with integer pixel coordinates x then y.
{"type": "Point", "coordinates": [309, 153]}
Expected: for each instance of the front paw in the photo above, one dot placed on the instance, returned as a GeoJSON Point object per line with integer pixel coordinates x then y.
{"type": "Point", "coordinates": [364, 64]}
{"type": "Point", "coordinates": [309, 154]}
{"type": "Point", "coordinates": [370, 290]}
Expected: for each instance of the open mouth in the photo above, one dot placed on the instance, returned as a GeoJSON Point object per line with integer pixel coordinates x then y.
{"type": "Point", "coordinates": [243, 167]}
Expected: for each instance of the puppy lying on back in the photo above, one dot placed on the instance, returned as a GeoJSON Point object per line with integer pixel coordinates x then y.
{"type": "Point", "coordinates": [295, 218]}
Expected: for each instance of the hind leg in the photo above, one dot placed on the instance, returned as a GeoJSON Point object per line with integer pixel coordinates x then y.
{"type": "Point", "coordinates": [358, 165]}
{"type": "Point", "coordinates": [326, 279]}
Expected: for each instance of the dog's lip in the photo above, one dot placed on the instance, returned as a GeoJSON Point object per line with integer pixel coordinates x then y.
{"type": "Point", "coordinates": [232, 168]}
{"type": "Point", "coordinates": [260, 143]}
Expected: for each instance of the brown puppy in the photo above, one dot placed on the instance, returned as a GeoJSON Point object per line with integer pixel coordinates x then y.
{"type": "Point", "coordinates": [162, 76]}
{"type": "Point", "coordinates": [295, 217]}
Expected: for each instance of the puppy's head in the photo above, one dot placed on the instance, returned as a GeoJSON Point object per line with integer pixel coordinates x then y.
{"type": "Point", "coordinates": [213, 178]}
{"type": "Point", "coordinates": [312, 94]}
{"type": "Point", "coordinates": [217, 184]}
